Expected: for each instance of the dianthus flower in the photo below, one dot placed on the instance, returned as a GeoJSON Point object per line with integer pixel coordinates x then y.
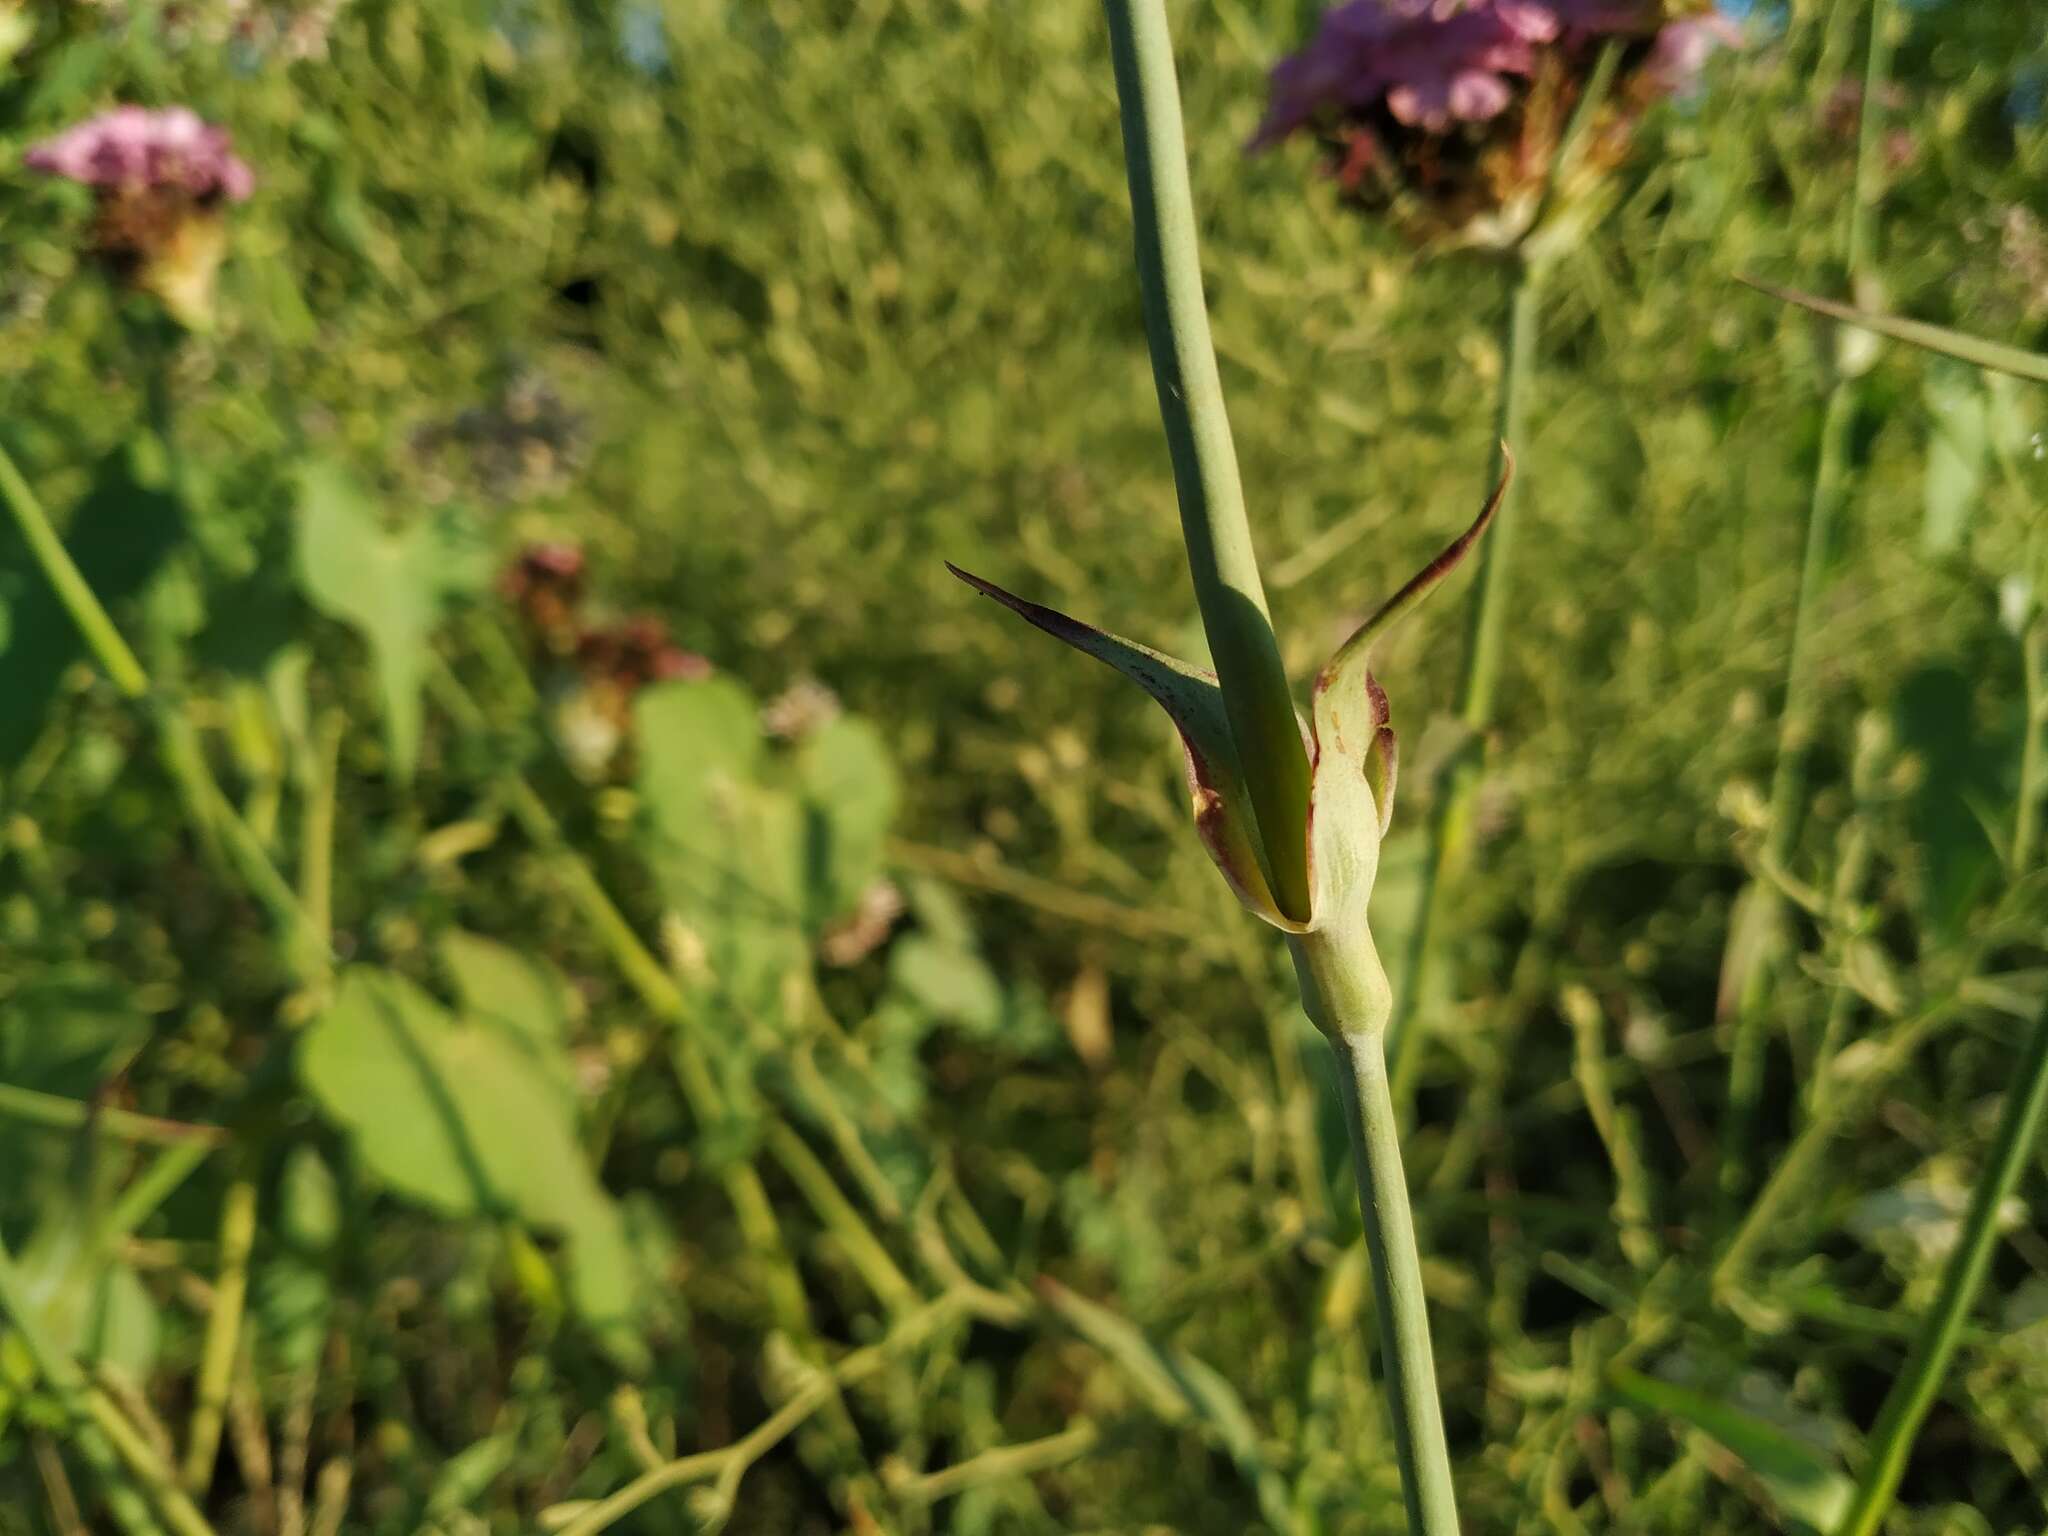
{"type": "Point", "coordinates": [160, 178]}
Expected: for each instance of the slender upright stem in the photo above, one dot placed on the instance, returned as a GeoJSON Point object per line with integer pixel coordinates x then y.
{"type": "Point", "coordinates": [1913, 1393]}
{"type": "Point", "coordinates": [1346, 993]}
{"type": "Point", "coordinates": [1796, 723]}
{"type": "Point", "coordinates": [1213, 523]}
{"type": "Point", "coordinates": [1451, 817]}
{"type": "Point", "coordinates": [223, 1335]}
{"type": "Point", "coordinates": [207, 806]}
{"type": "Point", "coordinates": [2026, 831]}
{"type": "Point", "coordinates": [1788, 788]}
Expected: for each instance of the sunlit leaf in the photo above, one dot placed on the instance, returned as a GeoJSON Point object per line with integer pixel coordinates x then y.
{"type": "Point", "coordinates": [849, 784]}
{"type": "Point", "coordinates": [730, 853]}
{"type": "Point", "coordinates": [461, 1118]}
{"type": "Point", "coordinates": [392, 588]}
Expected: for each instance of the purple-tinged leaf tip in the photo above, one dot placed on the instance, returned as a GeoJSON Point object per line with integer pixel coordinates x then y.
{"type": "Point", "coordinates": [1424, 581]}
{"type": "Point", "coordinates": [1193, 700]}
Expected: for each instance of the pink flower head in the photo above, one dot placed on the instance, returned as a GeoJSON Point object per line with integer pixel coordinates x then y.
{"type": "Point", "coordinates": [135, 148]}
{"type": "Point", "coordinates": [1683, 48]}
{"type": "Point", "coordinates": [1432, 63]}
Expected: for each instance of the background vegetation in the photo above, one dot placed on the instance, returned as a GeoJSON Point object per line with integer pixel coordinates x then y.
{"type": "Point", "coordinates": [769, 307]}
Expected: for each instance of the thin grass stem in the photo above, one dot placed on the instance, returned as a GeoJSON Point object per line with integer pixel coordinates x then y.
{"type": "Point", "coordinates": [1913, 1393]}
{"type": "Point", "coordinates": [1451, 815]}
{"type": "Point", "coordinates": [223, 1335]}
{"type": "Point", "coordinates": [1796, 724]}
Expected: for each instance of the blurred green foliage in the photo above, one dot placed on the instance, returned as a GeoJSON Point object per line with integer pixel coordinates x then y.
{"type": "Point", "coordinates": [769, 306]}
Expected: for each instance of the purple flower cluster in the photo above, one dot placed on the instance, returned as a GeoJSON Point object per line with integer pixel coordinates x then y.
{"type": "Point", "coordinates": [137, 149]}
{"type": "Point", "coordinates": [1435, 62]}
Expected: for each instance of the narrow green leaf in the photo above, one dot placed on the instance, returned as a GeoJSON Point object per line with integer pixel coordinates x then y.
{"type": "Point", "coordinates": [1179, 1389]}
{"type": "Point", "coordinates": [467, 1475]}
{"type": "Point", "coordinates": [1193, 700]}
{"type": "Point", "coordinates": [1996, 356]}
{"type": "Point", "coordinates": [1801, 1482]}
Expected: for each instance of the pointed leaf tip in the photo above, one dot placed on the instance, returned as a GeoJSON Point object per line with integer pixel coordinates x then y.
{"type": "Point", "coordinates": [1194, 701]}
{"type": "Point", "coordinates": [1424, 581]}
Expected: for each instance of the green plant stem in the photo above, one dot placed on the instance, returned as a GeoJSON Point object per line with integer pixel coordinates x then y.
{"type": "Point", "coordinates": [69, 583]}
{"type": "Point", "coordinates": [1906, 1405]}
{"type": "Point", "coordinates": [1796, 723]}
{"type": "Point", "coordinates": [888, 1282]}
{"type": "Point", "coordinates": [1788, 787]}
{"type": "Point", "coordinates": [32, 1107]}
{"type": "Point", "coordinates": [1451, 816]}
{"type": "Point", "coordinates": [1221, 560]}
{"type": "Point", "coordinates": [223, 1335]}
{"type": "Point", "coordinates": [729, 1465]}
{"type": "Point", "coordinates": [1002, 1464]}
{"type": "Point", "coordinates": [1346, 993]}
{"type": "Point", "coordinates": [208, 807]}
{"type": "Point", "coordinates": [2026, 830]}
{"type": "Point", "coordinates": [153, 1186]}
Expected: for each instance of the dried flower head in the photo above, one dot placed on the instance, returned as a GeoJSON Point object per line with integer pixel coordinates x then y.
{"type": "Point", "coordinates": [546, 584]}
{"type": "Point", "coordinates": [1451, 112]}
{"type": "Point", "coordinates": [627, 657]}
{"type": "Point", "coordinates": [160, 178]}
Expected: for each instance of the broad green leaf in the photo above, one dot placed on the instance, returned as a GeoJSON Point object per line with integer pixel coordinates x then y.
{"type": "Point", "coordinates": [462, 1118]}
{"type": "Point", "coordinates": [521, 994]}
{"type": "Point", "coordinates": [729, 852]}
{"type": "Point", "coordinates": [1804, 1485]}
{"type": "Point", "coordinates": [452, 1116]}
{"type": "Point", "coordinates": [1918, 333]}
{"type": "Point", "coordinates": [696, 738]}
{"type": "Point", "coordinates": [309, 1205]}
{"type": "Point", "coordinates": [940, 912]}
{"type": "Point", "coordinates": [607, 1283]}
{"type": "Point", "coordinates": [849, 784]}
{"type": "Point", "coordinates": [390, 587]}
